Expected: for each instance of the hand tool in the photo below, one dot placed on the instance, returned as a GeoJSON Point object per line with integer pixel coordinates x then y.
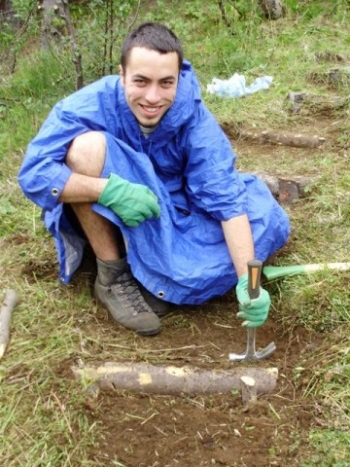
{"type": "Point", "coordinates": [254, 276]}
{"type": "Point", "coordinates": [274, 272]}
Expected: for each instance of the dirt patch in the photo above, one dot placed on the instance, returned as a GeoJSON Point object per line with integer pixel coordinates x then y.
{"type": "Point", "coordinates": [141, 430]}
{"type": "Point", "coordinates": [147, 430]}
{"type": "Point", "coordinates": [37, 270]}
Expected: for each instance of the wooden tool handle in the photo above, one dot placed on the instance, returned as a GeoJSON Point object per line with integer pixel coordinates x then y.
{"type": "Point", "coordinates": [254, 276]}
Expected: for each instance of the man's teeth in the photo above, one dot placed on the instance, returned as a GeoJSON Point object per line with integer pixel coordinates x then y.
{"type": "Point", "coordinates": [151, 109]}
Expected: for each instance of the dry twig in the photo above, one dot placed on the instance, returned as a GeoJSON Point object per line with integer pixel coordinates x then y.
{"type": "Point", "coordinates": [10, 302]}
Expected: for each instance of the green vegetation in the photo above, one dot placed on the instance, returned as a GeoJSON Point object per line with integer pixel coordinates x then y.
{"type": "Point", "coordinates": [41, 418]}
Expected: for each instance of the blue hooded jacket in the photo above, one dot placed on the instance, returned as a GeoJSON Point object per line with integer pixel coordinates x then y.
{"type": "Point", "coordinates": [188, 162]}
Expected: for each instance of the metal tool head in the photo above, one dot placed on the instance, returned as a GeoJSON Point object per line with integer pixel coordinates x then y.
{"type": "Point", "coordinates": [251, 356]}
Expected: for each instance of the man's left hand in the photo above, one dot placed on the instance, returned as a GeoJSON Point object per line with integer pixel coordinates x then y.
{"type": "Point", "coordinates": [253, 311]}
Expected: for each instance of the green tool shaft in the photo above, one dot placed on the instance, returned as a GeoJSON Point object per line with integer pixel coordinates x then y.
{"type": "Point", "coordinates": [275, 272]}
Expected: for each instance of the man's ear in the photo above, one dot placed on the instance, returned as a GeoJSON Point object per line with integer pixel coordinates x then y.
{"type": "Point", "coordinates": [121, 74]}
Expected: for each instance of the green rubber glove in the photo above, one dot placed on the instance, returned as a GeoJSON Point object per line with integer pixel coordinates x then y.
{"type": "Point", "coordinates": [253, 311]}
{"type": "Point", "coordinates": [132, 202]}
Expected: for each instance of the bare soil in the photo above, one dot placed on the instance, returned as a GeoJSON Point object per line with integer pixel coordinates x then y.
{"type": "Point", "coordinates": [148, 430]}
{"type": "Point", "coordinates": [140, 430]}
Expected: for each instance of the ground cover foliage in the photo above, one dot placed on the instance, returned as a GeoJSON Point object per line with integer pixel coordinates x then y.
{"type": "Point", "coordinates": [46, 416]}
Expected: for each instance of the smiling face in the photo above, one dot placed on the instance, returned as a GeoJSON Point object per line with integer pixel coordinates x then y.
{"type": "Point", "coordinates": [150, 81]}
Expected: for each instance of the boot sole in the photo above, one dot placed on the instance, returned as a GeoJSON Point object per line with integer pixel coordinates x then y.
{"type": "Point", "coordinates": [148, 333]}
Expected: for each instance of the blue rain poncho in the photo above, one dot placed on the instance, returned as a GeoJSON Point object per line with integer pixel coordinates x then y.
{"type": "Point", "coordinates": [188, 162]}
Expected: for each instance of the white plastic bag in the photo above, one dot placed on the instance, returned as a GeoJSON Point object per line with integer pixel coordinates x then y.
{"type": "Point", "coordinates": [236, 86]}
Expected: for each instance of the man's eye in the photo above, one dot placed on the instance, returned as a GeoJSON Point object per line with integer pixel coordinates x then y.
{"type": "Point", "coordinates": [167, 84]}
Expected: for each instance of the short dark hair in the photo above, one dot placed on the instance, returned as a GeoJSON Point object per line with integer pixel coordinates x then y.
{"type": "Point", "coordinates": [153, 36]}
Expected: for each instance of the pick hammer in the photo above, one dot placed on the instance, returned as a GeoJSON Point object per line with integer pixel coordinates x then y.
{"type": "Point", "coordinates": [251, 354]}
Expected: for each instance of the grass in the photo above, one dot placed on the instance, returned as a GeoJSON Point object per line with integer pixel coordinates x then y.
{"type": "Point", "coordinates": [41, 421]}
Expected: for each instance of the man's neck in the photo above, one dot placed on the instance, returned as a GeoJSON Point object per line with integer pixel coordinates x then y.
{"type": "Point", "coordinates": [147, 130]}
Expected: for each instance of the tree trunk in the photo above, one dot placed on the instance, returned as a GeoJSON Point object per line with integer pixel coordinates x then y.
{"type": "Point", "coordinates": [48, 10]}
{"type": "Point", "coordinates": [75, 53]}
{"type": "Point", "coordinates": [272, 9]}
{"type": "Point", "coordinates": [8, 14]}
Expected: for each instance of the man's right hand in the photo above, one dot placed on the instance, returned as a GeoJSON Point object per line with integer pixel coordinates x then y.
{"type": "Point", "coordinates": [254, 311]}
{"type": "Point", "coordinates": [132, 202]}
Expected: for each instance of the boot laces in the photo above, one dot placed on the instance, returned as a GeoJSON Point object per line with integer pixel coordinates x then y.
{"type": "Point", "coordinates": [129, 292]}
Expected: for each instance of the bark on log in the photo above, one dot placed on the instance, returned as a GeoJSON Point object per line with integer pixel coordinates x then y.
{"type": "Point", "coordinates": [10, 302]}
{"type": "Point", "coordinates": [171, 380]}
{"type": "Point", "coordinates": [285, 139]}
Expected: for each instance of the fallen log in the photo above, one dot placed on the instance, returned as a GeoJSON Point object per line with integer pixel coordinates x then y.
{"type": "Point", "coordinates": [283, 139]}
{"type": "Point", "coordinates": [10, 302]}
{"type": "Point", "coordinates": [171, 380]}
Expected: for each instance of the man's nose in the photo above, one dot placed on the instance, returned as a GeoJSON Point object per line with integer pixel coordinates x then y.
{"type": "Point", "coordinates": [152, 95]}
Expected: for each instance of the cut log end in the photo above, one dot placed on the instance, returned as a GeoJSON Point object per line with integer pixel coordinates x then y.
{"type": "Point", "coordinates": [248, 389]}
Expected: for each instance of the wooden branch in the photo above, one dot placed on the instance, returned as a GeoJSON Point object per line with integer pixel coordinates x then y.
{"type": "Point", "coordinates": [285, 139]}
{"type": "Point", "coordinates": [135, 16]}
{"type": "Point", "coordinates": [171, 380]}
{"type": "Point", "coordinates": [63, 412]}
{"type": "Point", "coordinates": [272, 137]}
{"type": "Point", "coordinates": [10, 302]}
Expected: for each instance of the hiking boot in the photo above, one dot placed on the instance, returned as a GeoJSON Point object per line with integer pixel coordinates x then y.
{"type": "Point", "coordinates": [116, 288]}
{"type": "Point", "coordinates": [159, 307]}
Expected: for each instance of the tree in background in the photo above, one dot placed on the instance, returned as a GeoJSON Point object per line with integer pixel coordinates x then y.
{"type": "Point", "coordinates": [14, 20]}
{"type": "Point", "coordinates": [106, 22]}
{"type": "Point", "coordinates": [8, 13]}
{"type": "Point", "coordinates": [272, 9]}
{"type": "Point", "coordinates": [89, 31]}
